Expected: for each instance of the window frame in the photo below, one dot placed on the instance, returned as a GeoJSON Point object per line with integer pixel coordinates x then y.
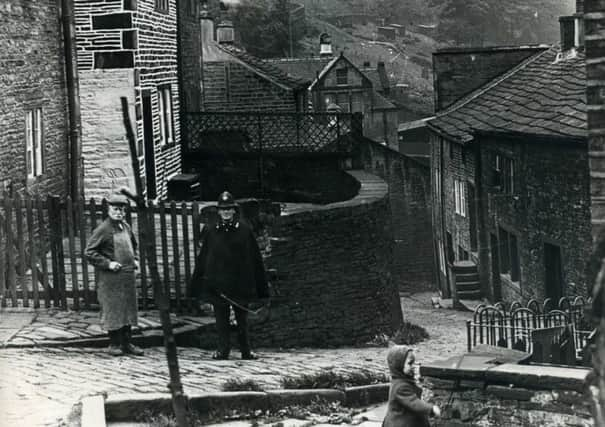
{"type": "Point", "coordinates": [162, 6]}
{"type": "Point", "coordinates": [509, 262]}
{"type": "Point", "coordinates": [166, 116]}
{"type": "Point", "coordinates": [34, 143]}
{"type": "Point", "coordinates": [342, 76]}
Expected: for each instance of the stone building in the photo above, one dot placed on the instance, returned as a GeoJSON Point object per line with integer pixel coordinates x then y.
{"type": "Point", "coordinates": [510, 172]}
{"type": "Point", "coordinates": [128, 49]}
{"type": "Point", "coordinates": [339, 85]}
{"type": "Point", "coordinates": [33, 111]}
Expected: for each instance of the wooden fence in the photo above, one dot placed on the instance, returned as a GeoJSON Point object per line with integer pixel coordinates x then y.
{"type": "Point", "coordinates": [42, 240]}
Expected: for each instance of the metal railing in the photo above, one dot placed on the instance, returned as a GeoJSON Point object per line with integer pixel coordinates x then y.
{"type": "Point", "coordinates": [261, 132]}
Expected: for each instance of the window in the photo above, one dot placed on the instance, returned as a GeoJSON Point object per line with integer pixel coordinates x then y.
{"type": "Point", "coordinates": [459, 197]}
{"type": "Point", "coordinates": [504, 174]}
{"type": "Point", "coordinates": [162, 6]}
{"type": "Point", "coordinates": [509, 254]}
{"type": "Point", "coordinates": [342, 77]}
{"type": "Point", "coordinates": [165, 113]}
{"type": "Point", "coordinates": [33, 143]}
{"type": "Point", "coordinates": [342, 99]}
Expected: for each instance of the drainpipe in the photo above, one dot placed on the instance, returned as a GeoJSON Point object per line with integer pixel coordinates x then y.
{"type": "Point", "coordinates": [76, 189]}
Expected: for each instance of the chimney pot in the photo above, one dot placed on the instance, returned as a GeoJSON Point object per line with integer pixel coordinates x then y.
{"type": "Point", "coordinates": [366, 64]}
{"type": "Point", "coordinates": [325, 45]}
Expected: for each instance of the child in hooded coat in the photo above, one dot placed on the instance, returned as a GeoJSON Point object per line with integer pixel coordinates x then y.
{"type": "Point", "coordinates": [405, 407]}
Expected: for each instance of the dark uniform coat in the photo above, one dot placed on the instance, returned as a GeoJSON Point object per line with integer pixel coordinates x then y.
{"type": "Point", "coordinates": [229, 263]}
{"type": "Point", "coordinates": [116, 291]}
{"type": "Point", "coordinates": [405, 407]}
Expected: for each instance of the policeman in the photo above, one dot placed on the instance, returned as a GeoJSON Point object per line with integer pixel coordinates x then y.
{"type": "Point", "coordinates": [229, 273]}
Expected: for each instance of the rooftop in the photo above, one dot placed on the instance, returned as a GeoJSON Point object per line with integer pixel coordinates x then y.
{"type": "Point", "coordinates": [543, 96]}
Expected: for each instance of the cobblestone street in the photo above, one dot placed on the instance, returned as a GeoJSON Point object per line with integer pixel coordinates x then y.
{"type": "Point", "coordinates": [39, 386]}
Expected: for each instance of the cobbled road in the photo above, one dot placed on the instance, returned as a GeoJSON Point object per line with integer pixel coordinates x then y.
{"type": "Point", "coordinates": [39, 386]}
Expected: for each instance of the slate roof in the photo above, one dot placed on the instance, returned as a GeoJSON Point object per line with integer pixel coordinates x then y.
{"type": "Point", "coordinates": [304, 68]}
{"type": "Point", "coordinates": [540, 96]}
{"type": "Point", "coordinates": [266, 68]}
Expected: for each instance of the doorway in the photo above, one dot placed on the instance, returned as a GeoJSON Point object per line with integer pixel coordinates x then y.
{"type": "Point", "coordinates": [553, 272]}
{"type": "Point", "coordinates": [149, 145]}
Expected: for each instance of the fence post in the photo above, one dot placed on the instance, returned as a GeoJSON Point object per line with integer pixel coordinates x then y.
{"type": "Point", "coordinates": [56, 243]}
{"type": "Point", "coordinates": [468, 335]}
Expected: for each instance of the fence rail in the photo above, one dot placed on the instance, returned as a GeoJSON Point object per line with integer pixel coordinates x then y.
{"type": "Point", "coordinates": [254, 132]}
{"type": "Point", "coordinates": [42, 243]}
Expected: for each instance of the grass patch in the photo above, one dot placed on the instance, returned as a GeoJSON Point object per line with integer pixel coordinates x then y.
{"type": "Point", "coordinates": [409, 334]}
{"type": "Point", "coordinates": [241, 385]}
{"type": "Point", "coordinates": [328, 378]}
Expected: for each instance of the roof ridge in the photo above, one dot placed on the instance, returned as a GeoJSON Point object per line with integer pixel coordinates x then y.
{"type": "Point", "coordinates": [492, 83]}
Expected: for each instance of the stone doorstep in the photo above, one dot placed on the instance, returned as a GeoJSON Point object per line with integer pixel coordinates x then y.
{"type": "Point", "coordinates": [122, 407]}
{"type": "Point", "coordinates": [147, 338]}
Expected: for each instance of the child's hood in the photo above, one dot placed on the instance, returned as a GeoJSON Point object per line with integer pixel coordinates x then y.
{"type": "Point", "coordinates": [396, 359]}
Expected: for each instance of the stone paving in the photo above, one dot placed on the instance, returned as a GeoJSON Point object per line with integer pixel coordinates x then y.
{"type": "Point", "coordinates": [39, 386]}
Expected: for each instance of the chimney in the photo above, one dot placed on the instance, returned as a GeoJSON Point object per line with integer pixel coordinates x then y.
{"type": "Point", "coordinates": [366, 64]}
{"type": "Point", "coordinates": [325, 45]}
{"type": "Point", "coordinates": [580, 7]}
{"type": "Point", "coordinates": [225, 33]}
{"type": "Point", "coordinates": [207, 29]}
{"type": "Point", "coordinates": [572, 32]}
{"type": "Point", "coordinates": [384, 78]}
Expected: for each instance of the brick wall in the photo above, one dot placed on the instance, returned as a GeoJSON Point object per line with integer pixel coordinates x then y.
{"type": "Point", "coordinates": [337, 288]}
{"type": "Point", "coordinates": [458, 72]}
{"type": "Point", "coordinates": [230, 86]}
{"type": "Point", "coordinates": [551, 205]}
{"type": "Point", "coordinates": [128, 35]}
{"type": "Point", "coordinates": [410, 202]}
{"type": "Point", "coordinates": [32, 76]}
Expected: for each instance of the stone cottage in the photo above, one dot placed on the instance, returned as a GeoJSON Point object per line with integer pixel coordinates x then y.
{"type": "Point", "coordinates": [33, 112]}
{"type": "Point", "coordinates": [510, 172]}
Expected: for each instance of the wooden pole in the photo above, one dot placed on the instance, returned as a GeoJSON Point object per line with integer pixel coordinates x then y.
{"type": "Point", "coordinates": [594, 18]}
{"type": "Point", "coordinates": [148, 249]}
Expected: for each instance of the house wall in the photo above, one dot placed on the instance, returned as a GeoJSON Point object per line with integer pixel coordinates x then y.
{"type": "Point", "coordinates": [32, 76]}
{"type": "Point", "coordinates": [230, 86]}
{"type": "Point", "coordinates": [455, 161]}
{"type": "Point", "coordinates": [114, 39]}
{"type": "Point", "coordinates": [413, 266]}
{"type": "Point", "coordinates": [190, 70]}
{"type": "Point", "coordinates": [551, 204]}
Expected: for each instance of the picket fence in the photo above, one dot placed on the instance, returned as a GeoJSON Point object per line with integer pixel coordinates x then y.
{"type": "Point", "coordinates": [42, 243]}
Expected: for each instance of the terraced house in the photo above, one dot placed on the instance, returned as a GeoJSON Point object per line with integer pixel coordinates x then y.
{"type": "Point", "coordinates": [510, 173]}
{"type": "Point", "coordinates": [129, 48]}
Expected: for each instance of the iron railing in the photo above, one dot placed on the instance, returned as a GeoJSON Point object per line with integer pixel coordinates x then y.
{"type": "Point", "coordinates": [261, 132]}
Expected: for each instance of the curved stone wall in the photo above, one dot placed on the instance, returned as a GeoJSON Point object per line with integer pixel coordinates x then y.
{"type": "Point", "coordinates": [333, 263]}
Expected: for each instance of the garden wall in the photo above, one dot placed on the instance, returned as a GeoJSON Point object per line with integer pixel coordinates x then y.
{"type": "Point", "coordinates": [334, 262]}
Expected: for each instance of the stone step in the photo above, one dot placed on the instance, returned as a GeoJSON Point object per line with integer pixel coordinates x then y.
{"type": "Point", "coordinates": [467, 277]}
{"type": "Point", "coordinates": [469, 295]}
{"type": "Point", "coordinates": [468, 286]}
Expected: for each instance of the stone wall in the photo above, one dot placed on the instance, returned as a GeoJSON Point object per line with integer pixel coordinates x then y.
{"type": "Point", "coordinates": [410, 203]}
{"type": "Point", "coordinates": [334, 263]}
{"type": "Point", "coordinates": [230, 86]}
{"type": "Point", "coordinates": [190, 71]}
{"type": "Point", "coordinates": [31, 77]}
{"type": "Point", "coordinates": [459, 71]}
{"type": "Point", "coordinates": [104, 146]}
{"type": "Point", "coordinates": [512, 395]}
{"type": "Point", "coordinates": [550, 204]}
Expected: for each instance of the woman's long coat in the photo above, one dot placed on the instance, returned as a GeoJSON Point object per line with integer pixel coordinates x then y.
{"type": "Point", "coordinates": [116, 290]}
{"type": "Point", "coordinates": [229, 263]}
